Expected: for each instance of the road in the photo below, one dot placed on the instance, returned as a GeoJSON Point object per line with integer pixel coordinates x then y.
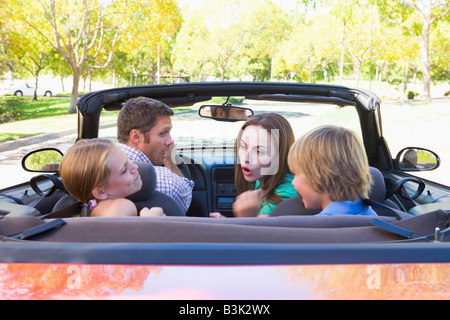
{"type": "Point", "coordinates": [11, 170]}
{"type": "Point", "coordinates": [11, 156]}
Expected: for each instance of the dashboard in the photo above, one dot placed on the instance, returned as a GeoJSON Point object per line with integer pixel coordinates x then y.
{"type": "Point", "coordinates": [212, 170]}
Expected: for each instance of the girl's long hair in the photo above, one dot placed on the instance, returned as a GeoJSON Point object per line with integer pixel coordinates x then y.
{"type": "Point", "coordinates": [84, 167]}
{"type": "Point", "coordinates": [278, 124]}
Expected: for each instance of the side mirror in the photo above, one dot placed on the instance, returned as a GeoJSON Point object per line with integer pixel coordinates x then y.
{"type": "Point", "coordinates": [42, 160]}
{"type": "Point", "coordinates": [417, 159]}
{"type": "Point", "coordinates": [225, 112]}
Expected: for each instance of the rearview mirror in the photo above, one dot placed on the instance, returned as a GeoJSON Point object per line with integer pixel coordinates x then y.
{"type": "Point", "coordinates": [42, 160]}
{"type": "Point", "coordinates": [225, 112]}
{"type": "Point", "coordinates": [417, 159]}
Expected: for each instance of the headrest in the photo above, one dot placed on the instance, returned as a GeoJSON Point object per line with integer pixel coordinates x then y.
{"type": "Point", "coordinates": [148, 177]}
{"type": "Point", "coordinates": [378, 191]}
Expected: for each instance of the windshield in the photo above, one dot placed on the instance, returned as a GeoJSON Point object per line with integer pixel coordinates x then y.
{"type": "Point", "coordinates": [403, 126]}
{"type": "Point", "coordinates": [191, 130]}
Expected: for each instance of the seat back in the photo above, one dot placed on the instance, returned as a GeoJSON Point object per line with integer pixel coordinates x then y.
{"type": "Point", "coordinates": [173, 229]}
{"type": "Point", "coordinates": [149, 197]}
{"type": "Point", "coordinates": [378, 190]}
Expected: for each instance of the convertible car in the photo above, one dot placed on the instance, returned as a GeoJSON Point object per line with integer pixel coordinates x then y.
{"type": "Point", "coordinates": [48, 251]}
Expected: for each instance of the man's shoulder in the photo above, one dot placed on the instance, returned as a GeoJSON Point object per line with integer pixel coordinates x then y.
{"type": "Point", "coordinates": [133, 153]}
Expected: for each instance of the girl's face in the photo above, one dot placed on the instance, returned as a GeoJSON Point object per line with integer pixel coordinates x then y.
{"type": "Point", "coordinates": [258, 153]}
{"type": "Point", "coordinates": [124, 179]}
{"type": "Point", "coordinates": [311, 199]}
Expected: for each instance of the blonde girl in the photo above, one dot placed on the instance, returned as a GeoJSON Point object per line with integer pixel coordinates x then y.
{"type": "Point", "coordinates": [98, 173]}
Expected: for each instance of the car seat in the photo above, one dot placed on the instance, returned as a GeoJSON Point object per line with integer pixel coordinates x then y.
{"type": "Point", "coordinates": [149, 197]}
{"type": "Point", "coordinates": [378, 190]}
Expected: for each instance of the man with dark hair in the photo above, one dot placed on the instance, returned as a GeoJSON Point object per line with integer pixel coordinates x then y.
{"type": "Point", "coordinates": [143, 131]}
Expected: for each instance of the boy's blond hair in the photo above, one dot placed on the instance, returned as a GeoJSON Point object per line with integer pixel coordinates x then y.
{"type": "Point", "coordinates": [84, 167]}
{"type": "Point", "coordinates": [332, 160]}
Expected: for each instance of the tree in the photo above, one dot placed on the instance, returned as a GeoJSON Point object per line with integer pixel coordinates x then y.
{"type": "Point", "coordinates": [211, 38]}
{"type": "Point", "coordinates": [270, 27]}
{"type": "Point", "coordinates": [29, 53]}
{"type": "Point", "coordinates": [343, 12]}
{"type": "Point", "coordinates": [148, 39]}
{"type": "Point", "coordinates": [360, 46]}
{"type": "Point", "coordinates": [6, 56]}
{"type": "Point", "coordinates": [311, 47]}
{"type": "Point", "coordinates": [82, 32]}
{"type": "Point", "coordinates": [440, 50]}
{"type": "Point", "coordinates": [428, 12]}
{"type": "Point", "coordinates": [58, 66]}
{"type": "Point", "coordinates": [86, 33]}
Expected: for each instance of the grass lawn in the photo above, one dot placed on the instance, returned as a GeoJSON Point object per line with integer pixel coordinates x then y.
{"type": "Point", "coordinates": [23, 108]}
{"type": "Point", "coordinates": [25, 117]}
{"type": "Point", "coordinates": [42, 116]}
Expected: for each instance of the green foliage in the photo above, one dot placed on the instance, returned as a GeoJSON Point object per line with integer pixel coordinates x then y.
{"type": "Point", "coordinates": [14, 108]}
{"type": "Point", "coordinates": [239, 39]}
{"type": "Point", "coordinates": [424, 157]}
{"type": "Point", "coordinates": [39, 160]}
{"type": "Point", "coordinates": [233, 100]}
{"type": "Point", "coordinates": [8, 109]}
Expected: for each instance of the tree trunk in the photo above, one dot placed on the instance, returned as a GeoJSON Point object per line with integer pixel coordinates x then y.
{"type": "Point", "coordinates": [426, 66]}
{"type": "Point", "coordinates": [357, 72]}
{"type": "Point", "coordinates": [341, 61]}
{"type": "Point", "coordinates": [74, 95]}
{"type": "Point", "coordinates": [36, 82]}
{"type": "Point", "coordinates": [222, 72]}
{"type": "Point", "coordinates": [405, 84]}
{"type": "Point", "coordinates": [62, 83]}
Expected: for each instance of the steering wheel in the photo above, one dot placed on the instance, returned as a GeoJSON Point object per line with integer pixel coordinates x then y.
{"type": "Point", "coordinates": [181, 164]}
{"type": "Point", "coordinates": [57, 184]}
{"type": "Point", "coordinates": [398, 187]}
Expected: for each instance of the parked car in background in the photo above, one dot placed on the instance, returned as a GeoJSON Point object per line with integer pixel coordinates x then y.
{"type": "Point", "coordinates": [24, 89]}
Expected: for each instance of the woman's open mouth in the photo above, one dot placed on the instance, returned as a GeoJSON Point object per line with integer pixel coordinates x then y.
{"type": "Point", "coordinates": [246, 171]}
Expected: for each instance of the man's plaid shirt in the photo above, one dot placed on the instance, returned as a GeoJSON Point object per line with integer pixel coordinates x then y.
{"type": "Point", "coordinates": [176, 187]}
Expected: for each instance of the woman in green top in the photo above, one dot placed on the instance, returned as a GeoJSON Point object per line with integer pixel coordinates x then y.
{"type": "Point", "coordinates": [285, 191]}
{"type": "Point", "coordinates": [262, 176]}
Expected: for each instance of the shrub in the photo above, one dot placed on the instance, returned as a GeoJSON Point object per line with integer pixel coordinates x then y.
{"type": "Point", "coordinates": [8, 109]}
{"type": "Point", "coordinates": [410, 95]}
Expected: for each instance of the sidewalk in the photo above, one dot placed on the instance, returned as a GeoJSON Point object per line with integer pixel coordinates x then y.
{"type": "Point", "coordinates": [22, 142]}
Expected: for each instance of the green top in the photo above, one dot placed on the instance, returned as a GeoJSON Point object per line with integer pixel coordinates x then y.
{"type": "Point", "coordinates": [285, 190]}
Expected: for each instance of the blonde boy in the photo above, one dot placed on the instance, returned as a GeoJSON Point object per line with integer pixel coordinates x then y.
{"type": "Point", "coordinates": [331, 171]}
